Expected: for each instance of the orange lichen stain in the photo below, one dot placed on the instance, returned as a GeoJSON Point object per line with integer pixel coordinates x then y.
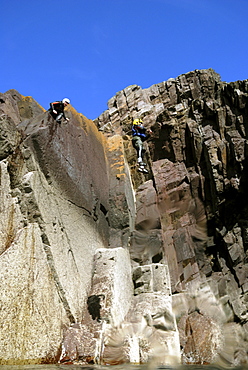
{"type": "Point", "coordinates": [97, 139]}
{"type": "Point", "coordinates": [86, 124]}
{"type": "Point", "coordinates": [29, 99]}
{"type": "Point", "coordinates": [120, 176]}
{"type": "Point", "coordinates": [117, 162]}
{"type": "Point", "coordinates": [114, 148]}
{"type": "Point", "coordinates": [117, 165]}
{"type": "Point", "coordinates": [115, 143]}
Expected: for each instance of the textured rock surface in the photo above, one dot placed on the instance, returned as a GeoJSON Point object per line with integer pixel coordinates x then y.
{"type": "Point", "coordinates": [103, 264]}
{"type": "Point", "coordinates": [191, 209]}
{"type": "Point", "coordinates": [53, 219]}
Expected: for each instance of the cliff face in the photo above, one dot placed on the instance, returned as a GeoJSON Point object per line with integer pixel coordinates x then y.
{"type": "Point", "coordinates": [52, 222]}
{"type": "Point", "coordinates": [101, 263]}
{"type": "Point", "coordinates": [192, 206]}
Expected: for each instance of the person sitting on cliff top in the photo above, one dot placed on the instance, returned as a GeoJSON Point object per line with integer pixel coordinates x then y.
{"type": "Point", "coordinates": [57, 109]}
{"type": "Point", "coordinates": [140, 134]}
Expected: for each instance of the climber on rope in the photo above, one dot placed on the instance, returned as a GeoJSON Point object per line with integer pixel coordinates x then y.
{"type": "Point", "coordinates": [140, 134]}
{"type": "Point", "coordinates": [57, 109]}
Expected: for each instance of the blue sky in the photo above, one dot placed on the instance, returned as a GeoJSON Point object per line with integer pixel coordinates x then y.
{"type": "Point", "coordinates": [88, 50]}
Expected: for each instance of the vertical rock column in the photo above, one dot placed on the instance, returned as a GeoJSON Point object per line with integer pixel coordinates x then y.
{"type": "Point", "coordinates": [121, 213]}
{"type": "Point", "coordinates": [107, 305]}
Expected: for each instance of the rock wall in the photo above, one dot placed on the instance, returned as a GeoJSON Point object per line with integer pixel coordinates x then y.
{"type": "Point", "coordinates": [103, 264]}
{"type": "Point", "coordinates": [53, 219]}
{"type": "Point", "coordinates": [191, 209]}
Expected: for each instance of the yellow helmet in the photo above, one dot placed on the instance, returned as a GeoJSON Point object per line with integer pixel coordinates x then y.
{"type": "Point", "coordinates": [137, 121]}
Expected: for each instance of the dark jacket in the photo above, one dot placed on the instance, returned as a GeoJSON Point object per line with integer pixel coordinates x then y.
{"type": "Point", "coordinates": [58, 106]}
{"type": "Point", "coordinates": [139, 130]}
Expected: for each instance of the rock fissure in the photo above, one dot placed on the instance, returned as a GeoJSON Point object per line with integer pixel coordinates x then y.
{"type": "Point", "coordinates": [61, 292]}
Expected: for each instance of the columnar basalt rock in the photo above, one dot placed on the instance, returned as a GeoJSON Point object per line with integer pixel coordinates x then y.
{"type": "Point", "coordinates": [109, 265]}
{"type": "Point", "coordinates": [121, 214]}
{"type": "Point", "coordinates": [198, 172]}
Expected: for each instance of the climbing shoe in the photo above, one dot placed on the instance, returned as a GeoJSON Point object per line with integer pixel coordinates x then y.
{"type": "Point", "coordinates": [142, 169]}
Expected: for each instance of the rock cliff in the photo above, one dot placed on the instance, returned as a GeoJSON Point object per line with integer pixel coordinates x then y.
{"type": "Point", "coordinates": [103, 264]}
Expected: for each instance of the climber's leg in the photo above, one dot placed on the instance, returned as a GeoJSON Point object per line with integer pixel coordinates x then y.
{"type": "Point", "coordinates": [59, 116]}
{"type": "Point", "coordinates": [138, 145]}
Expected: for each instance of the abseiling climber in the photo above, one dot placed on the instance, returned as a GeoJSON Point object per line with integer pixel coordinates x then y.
{"type": "Point", "coordinates": [57, 109]}
{"type": "Point", "coordinates": [140, 134]}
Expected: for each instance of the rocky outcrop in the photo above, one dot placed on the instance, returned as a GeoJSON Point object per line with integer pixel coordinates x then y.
{"type": "Point", "coordinates": [53, 219]}
{"type": "Point", "coordinates": [191, 208]}
{"type": "Point", "coordinates": [103, 264]}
